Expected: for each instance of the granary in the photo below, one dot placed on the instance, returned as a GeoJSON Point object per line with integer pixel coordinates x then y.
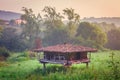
{"type": "Point", "coordinates": [65, 54]}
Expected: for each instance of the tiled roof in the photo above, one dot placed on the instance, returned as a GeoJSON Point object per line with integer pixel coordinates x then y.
{"type": "Point", "coordinates": [66, 48]}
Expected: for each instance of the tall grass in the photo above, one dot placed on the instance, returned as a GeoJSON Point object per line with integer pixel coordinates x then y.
{"type": "Point", "coordinates": [32, 70]}
{"type": "Point", "coordinates": [18, 71]}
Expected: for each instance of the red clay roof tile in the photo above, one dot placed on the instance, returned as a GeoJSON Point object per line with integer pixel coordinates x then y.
{"type": "Point", "coordinates": [66, 48]}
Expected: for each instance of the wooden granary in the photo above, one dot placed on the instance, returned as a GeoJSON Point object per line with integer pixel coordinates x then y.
{"type": "Point", "coordinates": [65, 54]}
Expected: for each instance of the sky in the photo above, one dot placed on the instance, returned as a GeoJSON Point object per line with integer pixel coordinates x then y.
{"type": "Point", "coordinates": [85, 8]}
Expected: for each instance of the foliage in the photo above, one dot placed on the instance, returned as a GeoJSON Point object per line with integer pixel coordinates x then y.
{"type": "Point", "coordinates": [2, 22]}
{"type": "Point", "coordinates": [113, 39]}
{"type": "Point", "coordinates": [57, 36]}
{"type": "Point", "coordinates": [3, 64]}
{"type": "Point", "coordinates": [18, 57]}
{"type": "Point", "coordinates": [31, 54]}
{"type": "Point", "coordinates": [71, 15]}
{"type": "Point", "coordinates": [84, 33]}
{"type": "Point", "coordinates": [52, 19]}
{"type": "Point", "coordinates": [12, 40]}
{"type": "Point", "coordinates": [73, 21]}
{"type": "Point", "coordinates": [55, 28]}
{"type": "Point", "coordinates": [114, 64]}
{"type": "Point", "coordinates": [32, 27]}
{"type": "Point", "coordinates": [12, 22]}
{"type": "Point", "coordinates": [32, 70]}
{"type": "Point", "coordinates": [57, 31]}
{"type": "Point", "coordinates": [4, 52]}
{"type": "Point", "coordinates": [106, 27]}
{"type": "Point", "coordinates": [51, 14]}
{"type": "Point", "coordinates": [91, 34]}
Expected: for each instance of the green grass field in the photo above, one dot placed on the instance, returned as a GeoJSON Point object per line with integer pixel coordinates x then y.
{"type": "Point", "coordinates": [101, 67]}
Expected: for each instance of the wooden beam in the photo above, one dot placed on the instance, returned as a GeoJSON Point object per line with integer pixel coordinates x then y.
{"type": "Point", "coordinates": [44, 67]}
{"type": "Point", "coordinates": [87, 64]}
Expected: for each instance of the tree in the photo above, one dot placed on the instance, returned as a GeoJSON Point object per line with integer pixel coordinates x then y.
{"type": "Point", "coordinates": [55, 32]}
{"type": "Point", "coordinates": [2, 22]}
{"type": "Point", "coordinates": [105, 26]}
{"type": "Point", "coordinates": [52, 18]}
{"type": "Point", "coordinates": [0, 31]}
{"type": "Point", "coordinates": [12, 22]}
{"type": "Point", "coordinates": [11, 40]}
{"type": "Point", "coordinates": [32, 27]}
{"type": "Point", "coordinates": [56, 36]}
{"type": "Point", "coordinates": [92, 35]}
{"type": "Point", "coordinates": [73, 21]}
{"type": "Point", "coordinates": [113, 39]}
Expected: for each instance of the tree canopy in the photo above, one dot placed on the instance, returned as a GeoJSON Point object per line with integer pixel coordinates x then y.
{"type": "Point", "coordinates": [0, 31]}
{"type": "Point", "coordinates": [92, 33]}
{"type": "Point", "coordinates": [32, 27]}
{"type": "Point", "coordinates": [11, 40]}
{"type": "Point", "coordinates": [113, 39]}
{"type": "Point", "coordinates": [73, 21]}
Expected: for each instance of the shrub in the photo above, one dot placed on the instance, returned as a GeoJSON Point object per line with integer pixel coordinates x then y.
{"type": "Point", "coordinates": [4, 53]}
{"type": "Point", "coordinates": [18, 57]}
{"type": "Point", "coordinates": [31, 54]}
{"type": "Point", "coordinates": [3, 64]}
{"type": "Point", "coordinates": [12, 40]}
{"type": "Point", "coordinates": [114, 65]}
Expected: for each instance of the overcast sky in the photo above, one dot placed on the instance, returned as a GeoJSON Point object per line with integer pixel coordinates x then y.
{"type": "Point", "coordinates": [85, 8]}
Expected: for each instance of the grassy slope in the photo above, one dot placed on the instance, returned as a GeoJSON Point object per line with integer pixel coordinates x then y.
{"type": "Point", "coordinates": [32, 70]}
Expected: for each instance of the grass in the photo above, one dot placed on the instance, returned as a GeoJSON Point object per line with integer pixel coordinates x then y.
{"type": "Point", "coordinates": [18, 70]}
{"type": "Point", "coordinates": [32, 70]}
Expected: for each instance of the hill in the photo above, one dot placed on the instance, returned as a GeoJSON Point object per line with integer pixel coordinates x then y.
{"type": "Point", "coordinates": [109, 20]}
{"type": "Point", "coordinates": [8, 15]}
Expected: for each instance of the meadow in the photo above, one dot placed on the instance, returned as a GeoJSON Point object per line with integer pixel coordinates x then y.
{"type": "Point", "coordinates": [104, 65]}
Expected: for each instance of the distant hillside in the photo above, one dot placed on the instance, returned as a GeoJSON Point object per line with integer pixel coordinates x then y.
{"type": "Point", "coordinates": [7, 15]}
{"type": "Point", "coordinates": [109, 20]}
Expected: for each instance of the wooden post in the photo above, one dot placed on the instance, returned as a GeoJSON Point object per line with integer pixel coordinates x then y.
{"type": "Point", "coordinates": [44, 67]}
{"type": "Point", "coordinates": [87, 64]}
{"type": "Point", "coordinates": [67, 59]}
{"type": "Point", "coordinates": [89, 55]}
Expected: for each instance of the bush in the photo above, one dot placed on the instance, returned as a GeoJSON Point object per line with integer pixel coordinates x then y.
{"type": "Point", "coordinates": [11, 40]}
{"type": "Point", "coordinates": [3, 64]}
{"type": "Point", "coordinates": [18, 57]}
{"type": "Point", "coordinates": [4, 52]}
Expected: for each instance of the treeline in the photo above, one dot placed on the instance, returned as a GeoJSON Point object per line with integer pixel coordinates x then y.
{"type": "Point", "coordinates": [108, 20]}
{"type": "Point", "coordinates": [51, 29]}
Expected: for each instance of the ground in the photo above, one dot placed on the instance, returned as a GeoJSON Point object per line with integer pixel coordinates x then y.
{"type": "Point", "coordinates": [103, 66]}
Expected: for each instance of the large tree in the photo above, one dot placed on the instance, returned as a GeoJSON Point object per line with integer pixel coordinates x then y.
{"type": "Point", "coordinates": [55, 32]}
{"type": "Point", "coordinates": [32, 26]}
{"type": "Point", "coordinates": [58, 32]}
{"type": "Point", "coordinates": [73, 21]}
{"type": "Point", "coordinates": [91, 34]}
{"type": "Point", "coordinates": [57, 36]}
{"type": "Point", "coordinates": [53, 19]}
{"type": "Point", "coordinates": [106, 27]}
{"type": "Point", "coordinates": [113, 39]}
{"type": "Point", "coordinates": [11, 40]}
